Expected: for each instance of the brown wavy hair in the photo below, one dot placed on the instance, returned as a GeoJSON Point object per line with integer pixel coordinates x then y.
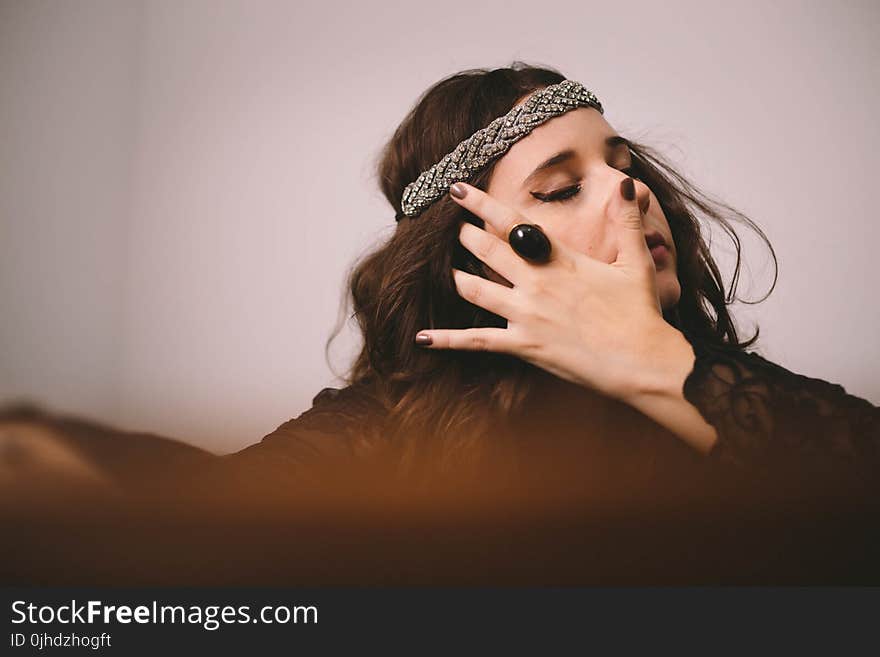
{"type": "Point", "coordinates": [442, 407]}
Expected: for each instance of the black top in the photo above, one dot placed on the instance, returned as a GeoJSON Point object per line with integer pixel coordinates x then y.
{"type": "Point", "coordinates": [774, 426]}
{"type": "Point", "coordinates": [788, 494]}
{"type": "Point", "coordinates": [766, 415]}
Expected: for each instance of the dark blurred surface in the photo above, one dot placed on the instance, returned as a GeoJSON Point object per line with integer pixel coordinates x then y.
{"type": "Point", "coordinates": [88, 505]}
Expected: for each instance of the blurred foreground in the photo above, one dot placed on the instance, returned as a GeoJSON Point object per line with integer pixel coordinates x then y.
{"type": "Point", "coordinates": [83, 504]}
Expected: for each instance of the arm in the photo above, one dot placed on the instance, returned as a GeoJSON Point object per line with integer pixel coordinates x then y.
{"type": "Point", "coordinates": [659, 392]}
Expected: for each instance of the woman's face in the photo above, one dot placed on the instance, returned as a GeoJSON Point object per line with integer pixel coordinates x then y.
{"type": "Point", "coordinates": [570, 196]}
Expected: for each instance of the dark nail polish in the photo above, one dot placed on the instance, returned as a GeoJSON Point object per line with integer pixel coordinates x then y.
{"type": "Point", "coordinates": [628, 189]}
{"type": "Point", "coordinates": [458, 191]}
{"type": "Point", "coordinates": [423, 339]}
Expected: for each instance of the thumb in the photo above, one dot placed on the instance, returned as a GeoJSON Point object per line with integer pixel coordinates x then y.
{"type": "Point", "coordinates": [632, 248]}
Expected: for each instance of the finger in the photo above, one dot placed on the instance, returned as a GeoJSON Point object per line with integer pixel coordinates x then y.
{"type": "Point", "coordinates": [494, 251]}
{"type": "Point", "coordinates": [499, 216]}
{"type": "Point", "coordinates": [486, 294]}
{"type": "Point", "coordinates": [470, 339]}
{"type": "Point", "coordinates": [633, 250]}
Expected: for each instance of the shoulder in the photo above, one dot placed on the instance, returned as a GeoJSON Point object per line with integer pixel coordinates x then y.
{"type": "Point", "coordinates": [749, 379]}
{"type": "Point", "coordinates": [333, 427]}
{"type": "Point", "coordinates": [745, 366]}
{"type": "Point", "coordinates": [786, 378]}
{"type": "Point", "coordinates": [335, 411]}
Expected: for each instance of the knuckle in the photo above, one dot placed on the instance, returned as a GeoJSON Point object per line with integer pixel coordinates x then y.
{"type": "Point", "coordinates": [631, 216]}
{"type": "Point", "coordinates": [475, 199]}
{"type": "Point", "coordinates": [487, 247]}
{"type": "Point", "coordinates": [572, 265]}
{"type": "Point", "coordinates": [473, 291]}
{"type": "Point", "coordinates": [539, 288]}
{"type": "Point", "coordinates": [530, 346]}
{"type": "Point", "coordinates": [525, 341]}
{"type": "Point", "coordinates": [533, 280]}
{"type": "Point", "coordinates": [468, 288]}
{"type": "Point", "coordinates": [530, 312]}
{"type": "Point", "coordinates": [479, 343]}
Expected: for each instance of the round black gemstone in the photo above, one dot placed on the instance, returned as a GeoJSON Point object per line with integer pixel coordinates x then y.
{"type": "Point", "coordinates": [529, 241]}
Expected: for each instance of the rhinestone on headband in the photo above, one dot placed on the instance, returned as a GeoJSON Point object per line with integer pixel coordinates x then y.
{"type": "Point", "coordinates": [489, 143]}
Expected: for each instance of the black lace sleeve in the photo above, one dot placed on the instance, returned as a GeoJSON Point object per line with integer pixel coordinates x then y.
{"type": "Point", "coordinates": [768, 417]}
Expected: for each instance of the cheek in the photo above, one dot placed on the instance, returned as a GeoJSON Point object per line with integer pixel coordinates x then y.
{"type": "Point", "coordinates": [587, 238]}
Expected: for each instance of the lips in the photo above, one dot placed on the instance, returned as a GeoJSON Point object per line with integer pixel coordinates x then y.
{"type": "Point", "coordinates": [655, 239]}
{"type": "Point", "coordinates": [659, 248]}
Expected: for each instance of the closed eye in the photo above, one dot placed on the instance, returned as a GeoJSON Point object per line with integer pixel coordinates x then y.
{"type": "Point", "coordinates": [568, 193]}
{"type": "Point", "coordinates": [561, 195]}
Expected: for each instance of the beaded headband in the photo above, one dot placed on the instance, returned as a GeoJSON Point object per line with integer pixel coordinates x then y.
{"type": "Point", "coordinates": [489, 143]}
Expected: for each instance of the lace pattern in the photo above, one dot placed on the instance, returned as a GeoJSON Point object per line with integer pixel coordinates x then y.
{"type": "Point", "coordinates": [767, 416]}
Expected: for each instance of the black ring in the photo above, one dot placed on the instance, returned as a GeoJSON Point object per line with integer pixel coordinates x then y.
{"type": "Point", "coordinates": [530, 242]}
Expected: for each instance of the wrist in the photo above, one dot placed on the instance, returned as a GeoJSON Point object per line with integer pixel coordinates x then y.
{"type": "Point", "coordinates": [669, 359]}
{"type": "Point", "coordinates": [658, 390]}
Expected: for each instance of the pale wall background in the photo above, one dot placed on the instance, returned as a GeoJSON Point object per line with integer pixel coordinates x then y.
{"type": "Point", "coordinates": [183, 185]}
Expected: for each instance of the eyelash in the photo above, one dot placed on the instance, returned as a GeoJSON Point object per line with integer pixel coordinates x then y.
{"type": "Point", "coordinates": [569, 193]}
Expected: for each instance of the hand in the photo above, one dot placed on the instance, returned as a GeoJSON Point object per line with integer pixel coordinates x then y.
{"type": "Point", "coordinates": [596, 324]}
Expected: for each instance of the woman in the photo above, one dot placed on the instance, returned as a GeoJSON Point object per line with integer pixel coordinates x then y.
{"type": "Point", "coordinates": [549, 377]}
{"type": "Point", "coordinates": [473, 344]}
{"type": "Point", "coordinates": [477, 349]}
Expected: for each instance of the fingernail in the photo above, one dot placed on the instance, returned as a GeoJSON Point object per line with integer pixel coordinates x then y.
{"type": "Point", "coordinates": [458, 191]}
{"type": "Point", "coordinates": [628, 189]}
{"type": "Point", "coordinates": [423, 338]}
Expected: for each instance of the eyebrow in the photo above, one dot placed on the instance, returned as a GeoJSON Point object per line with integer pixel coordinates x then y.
{"type": "Point", "coordinates": [611, 143]}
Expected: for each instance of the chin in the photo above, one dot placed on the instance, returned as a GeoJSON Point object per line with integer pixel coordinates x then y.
{"type": "Point", "coordinates": [669, 291]}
